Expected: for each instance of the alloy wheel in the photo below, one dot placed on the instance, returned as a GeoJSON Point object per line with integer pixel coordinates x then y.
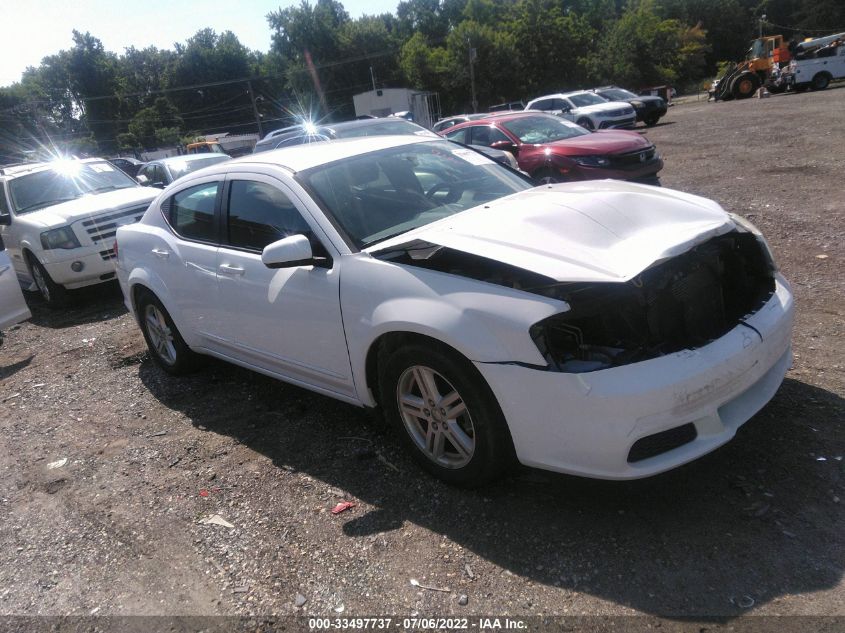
{"type": "Point", "coordinates": [41, 282]}
{"type": "Point", "coordinates": [161, 336]}
{"type": "Point", "coordinates": [436, 417]}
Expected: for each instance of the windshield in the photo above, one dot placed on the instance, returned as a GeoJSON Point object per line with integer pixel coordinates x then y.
{"type": "Point", "coordinates": [585, 99]}
{"type": "Point", "coordinates": [617, 94]}
{"type": "Point", "coordinates": [382, 194]}
{"type": "Point", "coordinates": [179, 168]}
{"type": "Point", "coordinates": [542, 128]}
{"type": "Point", "coordinates": [66, 180]}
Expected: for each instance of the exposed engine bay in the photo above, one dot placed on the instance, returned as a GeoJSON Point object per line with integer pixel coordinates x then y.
{"type": "Point", "coordinates": [682, 303]}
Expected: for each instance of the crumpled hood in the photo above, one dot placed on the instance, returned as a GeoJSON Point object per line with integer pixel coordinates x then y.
{"type": "Point", "coordinates": [597, 231]}
{"type": "Point", "coordinates": [91, 204]}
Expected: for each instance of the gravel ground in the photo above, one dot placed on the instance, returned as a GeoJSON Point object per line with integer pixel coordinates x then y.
{"type": "Point", "coordinates": [109, 467]}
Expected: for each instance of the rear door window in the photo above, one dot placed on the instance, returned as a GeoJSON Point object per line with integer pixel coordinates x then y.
{"type": "Point", "coordinates": [486, 135]}
{"type": "Point", "coordinates": [191, 212]}
{"type": "Point", "coordinates": [543, 104]}
{"type": "Point", "coordinates": [461, 136]}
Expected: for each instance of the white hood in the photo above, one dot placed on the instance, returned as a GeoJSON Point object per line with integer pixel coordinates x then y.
{"type": "Point", "coordinates": [90, 205]}
{"type": "Point", "coordinates": [598, 231]}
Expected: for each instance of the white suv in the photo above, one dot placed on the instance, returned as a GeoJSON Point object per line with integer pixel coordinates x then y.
{"type": "Point", "coordinates": [58, 221]}
{"type": "Point", "coordinates": [587, 109]}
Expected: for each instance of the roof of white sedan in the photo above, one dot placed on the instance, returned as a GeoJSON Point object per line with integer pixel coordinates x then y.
{"type": "Point", "coordinates": [301, 157]}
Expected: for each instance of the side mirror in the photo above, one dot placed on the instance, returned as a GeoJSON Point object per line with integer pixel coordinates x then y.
{"type": "Point", "coordinates": [507, 146]}
{"type": "Point", "coordinates": [159, 185]}
{"type": "Point", "coordinates": [291, 252]}
{"type": "Point", "coordinates": [5, 219]}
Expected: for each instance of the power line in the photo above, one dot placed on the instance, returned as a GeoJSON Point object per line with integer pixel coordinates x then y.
{"type": "Point", "coordinates": [789, 28]}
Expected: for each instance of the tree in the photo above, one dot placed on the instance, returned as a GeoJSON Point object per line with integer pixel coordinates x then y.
{"type": "Point", "coordinates": [208, 58]}
{"type": "Point", "coordinates": [146, 125]}
{"type": "Point", "coordinates": [642, 49]}
{"type": "Point", "coordinates": [93, 83]}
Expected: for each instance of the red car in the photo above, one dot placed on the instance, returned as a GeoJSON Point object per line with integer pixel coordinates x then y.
{"type": "Point", "coordinates": [551, 149]}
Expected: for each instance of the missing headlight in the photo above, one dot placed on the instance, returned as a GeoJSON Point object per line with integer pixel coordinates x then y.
{"type": "Point", "coordinates": [682, 303]}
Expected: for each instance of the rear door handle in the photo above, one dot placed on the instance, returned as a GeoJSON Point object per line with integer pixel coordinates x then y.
{"type": "Point", "coordinates": [226, 269]}
{"type": "Point", "coordinates": [161, 254]}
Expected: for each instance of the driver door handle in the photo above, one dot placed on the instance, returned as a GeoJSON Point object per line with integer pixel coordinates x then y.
{"type": "Point", "coordinates": [161, 254]}
{"type": "Point", "coordinates": [226, 269]}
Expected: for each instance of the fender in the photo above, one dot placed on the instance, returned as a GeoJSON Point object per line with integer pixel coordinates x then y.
{"type": "Point", "coordinates": [482, 321]}
{"type": "Point", "coordinates": [155, 284]}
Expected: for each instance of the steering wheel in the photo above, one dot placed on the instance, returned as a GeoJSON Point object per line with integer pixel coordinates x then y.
{"type": "Point", "coordinates": [454, 192]}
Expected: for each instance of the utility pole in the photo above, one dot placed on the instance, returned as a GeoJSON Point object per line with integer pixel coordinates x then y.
{"type": "Point", "coordinates": [472, 56]}
{"type": "Point", "coordinates": [373, 77]}
{"type": "Point", "coordinates": [762, 19]}
{"type": "Point", "coordinates": [255, 109]}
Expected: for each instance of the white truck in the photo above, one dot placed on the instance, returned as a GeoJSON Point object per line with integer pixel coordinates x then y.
{"type": "Point", "coordinates": [58, 220]}
{"type": "Point", "coordinates": [817, 62]}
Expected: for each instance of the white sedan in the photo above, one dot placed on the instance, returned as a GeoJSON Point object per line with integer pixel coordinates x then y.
{"type": "Point", "coordinates": [603, 329]}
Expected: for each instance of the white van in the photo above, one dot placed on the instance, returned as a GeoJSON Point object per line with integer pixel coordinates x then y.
{"type": "Point", "coordinates": [817, 72]}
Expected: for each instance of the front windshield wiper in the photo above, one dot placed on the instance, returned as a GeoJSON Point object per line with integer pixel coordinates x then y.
{"type": "Point", "coordinates": [104, 188]}
{"type": "Point", "coordinates": [45, 203]}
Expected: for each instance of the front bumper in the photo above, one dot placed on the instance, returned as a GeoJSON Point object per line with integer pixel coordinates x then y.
{"type": "Point", "coordinates": [98, 265]}
{"type": "Point", "coordinates": [641, 172]}
{"type": "Point", "coordinates": [586, 424]}
{"type": "Point", "coordinates": [629, 121]}
{"type": "Point", "coordinates": [646, 113]}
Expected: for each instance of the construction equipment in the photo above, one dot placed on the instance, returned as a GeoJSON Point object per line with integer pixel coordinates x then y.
{"type": "Point", "coordinates": [205, 147]}
{"type": "Point", "coordinates": [761, 67]}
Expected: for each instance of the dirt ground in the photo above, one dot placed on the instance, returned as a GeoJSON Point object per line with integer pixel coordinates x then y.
{"type": "Point", "coordinates": [754, 528]}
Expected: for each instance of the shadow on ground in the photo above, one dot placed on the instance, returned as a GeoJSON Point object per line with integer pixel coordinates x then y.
{"type": "Point", "coordinates": [753, 521]}
{"type": "Point", "coordinates": [86, 305]}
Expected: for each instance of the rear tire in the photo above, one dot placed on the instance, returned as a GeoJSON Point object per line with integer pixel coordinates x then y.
{"type": "Point", "coordinates": [167, 347]}
{"type": "Point", "coordinates": [54, 295]}
{"type": "Point", "coordinates": [821, 81]}
{"type": "Point", "coordinates": [445, 414]}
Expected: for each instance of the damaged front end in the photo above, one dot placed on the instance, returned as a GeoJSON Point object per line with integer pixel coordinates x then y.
{"type": "Point", "coordinates": [682, 303]}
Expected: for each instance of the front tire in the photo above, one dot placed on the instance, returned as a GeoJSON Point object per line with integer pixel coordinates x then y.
{"type": "Point", "coordinates": [54, 295]}
{"type": "Point", "coordinates": [651, 120]}
{"type": "Point", "coordinates": [167, 347]}
{"type": "Point", "coordinates": [547, 177]}
{"type": "Point", "coordinates": [586, 123]}
{"type": "Point", "coordinates": [745, 85]}
{"type": "Point", "coordinates": [445, 413]}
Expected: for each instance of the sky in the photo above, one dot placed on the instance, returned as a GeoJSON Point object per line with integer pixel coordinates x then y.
{"type": "Point", "coordinates": [32, 29]}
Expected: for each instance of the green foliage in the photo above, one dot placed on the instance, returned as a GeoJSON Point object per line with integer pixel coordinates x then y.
{"type": "Point", "coordinates": [127, 140]}
{"type": "Point", "coordinates": [320, 57]}
{"type": "Point", "coordinates": [167, 136]}
{"type": "Point", "coordinates": [149, 122]}
{"type": "Point", "coordinates": [642, 49]}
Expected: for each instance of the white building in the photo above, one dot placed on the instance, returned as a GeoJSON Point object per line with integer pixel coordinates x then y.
{"type": "Point", "coordinates": [425, 106]}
